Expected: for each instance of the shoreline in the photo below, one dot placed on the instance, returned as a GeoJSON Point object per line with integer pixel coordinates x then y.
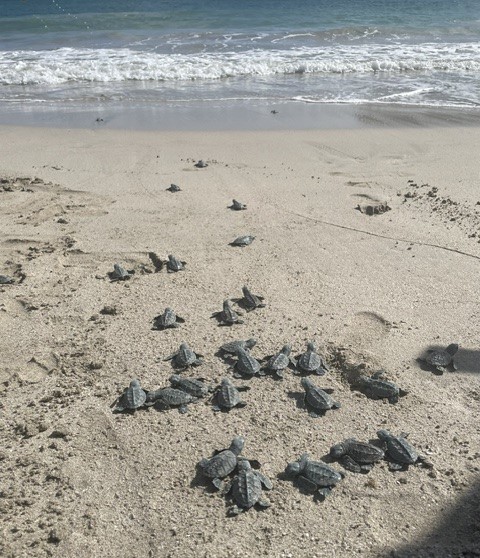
{"type": "Point", "coordinates": [238, 116]}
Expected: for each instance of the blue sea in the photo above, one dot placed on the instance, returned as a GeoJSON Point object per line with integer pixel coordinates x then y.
{"type": "Point", "coordinates": [172, 52]}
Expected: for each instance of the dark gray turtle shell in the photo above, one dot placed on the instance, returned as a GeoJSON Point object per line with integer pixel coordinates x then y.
{"type": "Point", "coordinates": [246, 363]}
{"type": "Point", "coordinates": [237, 206]}
{"type": "Point", "coordinates": [227, 316]}
{"type": "Point", "coordinates": [5, 280]}
{"type": "Point", "coordinates": [132, 398]}
{"type": "Point", "coordinates": [174, 188]}
{"type": "Point", "coordinates": [174, 264]}
{"type": "Point", "coordinates": [224, 462]}
{"type": "Point", "coordinates": [281, 360]}
{"type": "Point", "coordinates": [227, 395]}
{"type": "Point", "coordinates": [442, 358]}
{"type": "Point", "coordinates": [167, 319]}
{"type": "Point", "coordinates": [311, 361]}
{"type": "Point", "coordinates": [184, 357]}
{"type": "Point", "coordinates": [119, 273]}
{"type": "Point", "coordinates": [398, 449]}
{"type": "Point", "coordinates": [232, 346]}
{"type": "Point", "coordinates": [251, 301]}
{"type": "Point", "coordinates": [243, 240]}
{"type": "Point", "coordinates": [316, 398]}
{"type": "Point", "coordinates": [192, 386]}
{"type": "Point", "coordinates": [247, 487]}
{"type": "Point", "coordinates": [201, 164]}
{"type": "Point", "coordinates": [360, 452]}
{"type": "Point", "coordinates": [378, 388]}
{"type": "Point", "coordinates": [317, 472]}
{"type": "Point", "coordinates": [170, 397]}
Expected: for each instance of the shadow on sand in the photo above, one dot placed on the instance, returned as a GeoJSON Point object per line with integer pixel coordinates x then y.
{"type": "Point", "coordinates": [457, 534]}
{"type": "Point", "coordinates": [466, 360]}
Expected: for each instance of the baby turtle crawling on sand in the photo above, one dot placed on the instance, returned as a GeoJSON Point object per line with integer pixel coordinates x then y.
{"type": "Point", "coordinates": [246, 364]}
{"type": "Point", "coordinates": [222, 463]}
{"type": "Point", "coordinates": [237, 206]}
{"type": "Point", "coordinates": [227, 316]}
{"type": "Point", "coordinates": [132, 398]}
{"type": "Point", "coordinates": [317, 401]}
{"type": "Point", "coordinates": [243, 240]}
{"type": "Point", "coordinates": [314, 475]}
{"type": "Point", "coordinates": [246, 488]}
{"type": "Point", "coordinates": [201, 164]}
{"type": "Point", "coordinates": [119, 273]}
{"type": "Point", "coordinates": [376, 387]}
{"type": "Point", "coordinates": [355, 456]}
{"type": "Point", "coordinates": [249, 300]}
{"type": "Point", "coordinates": [399, 453]}
{"type": "Point", "coordinates": [174, 188]}
{"type": "Point", "coordinates": [184, 357]}
{"type": "Point", "coordinates": [174, 264]}
{"type": "Point", "coordinates": [441, 359]}
{"type": "Point", "coordinates": [5, 280]}
{"type": "Point", "coordinates": [232, 346]}
{"type": "Point", "coordinates": [227, 396]}
{"type": "Point", "coordinates": [170, 397]}
{"type": "Point", "coordinates": [279, 362]}
{"type": "Point", "coordinates": [167, 319]}
{"type": "Point", "coordinates": [310, 361]}
{"type": "Point", "coordinates": [193, 386]}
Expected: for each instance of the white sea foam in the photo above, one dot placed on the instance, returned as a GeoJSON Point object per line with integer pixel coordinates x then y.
{"type": "Point", "coordinates": [116, 65]}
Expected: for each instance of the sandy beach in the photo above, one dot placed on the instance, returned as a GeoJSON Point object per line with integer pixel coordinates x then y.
{"type": "Point", "coordinates": [379, 290]}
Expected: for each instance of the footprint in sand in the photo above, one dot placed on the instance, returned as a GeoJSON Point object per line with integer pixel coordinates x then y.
{"type": "Point", "coordinates": [367, 330]}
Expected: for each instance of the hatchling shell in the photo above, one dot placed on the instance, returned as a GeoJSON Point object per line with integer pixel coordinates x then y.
{"type": "Point", "coordinates": [316, 474]}
{"type": "Point", "coordinates": [5, 280]}
{"type": "Point", "coordinates": [246, 363]}
{"type": "Point", "coordinates": [223, 463]}
{"type": "Point", "coordinates": [398, 449]}
{"type": "Point", "coordinates": [316, 399]}
{"type": "Point", "coordinates": [192, 386]}
{"type": "Point", "coordinates": [247, 488]}
{"type": "Point", "coordinates": [227, 396]}
{"type": "Point", "coordinates": [356, 456]}
{"type": "Point", "coordinates": [132, 398]}
{"type": "Point", "coordinates": [311, 361]}
{"type": "Point", "coordinates": [243, 240]}
{"type": "Point", "coordinates": [232, 346]}
{"type": "Point", "coordinates": [167, 319]}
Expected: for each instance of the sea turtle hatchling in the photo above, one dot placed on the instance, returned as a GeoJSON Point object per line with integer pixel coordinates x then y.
{"type": "Point", "coordinates": [167, 320]}
{"type": "Point", "coordinates": [399, 453]}
{"type": "Point", "coordinates": [442, 359]}
{"type": "Point", "coordinates": [250, 301]}
{"type": "Point", "coordinates": [317, 401]}
{"type": "Point", "coordinates": [174, 264]}
{"type": "Point", "coordinates": [222, 463]}
{"type": "Point", "coordinates": [310, 361]}
{"type": "Point", "coordinates": [246, 364]}
{"type": "Point", "coordinates": [194, 386]}
{"type": "Point", "coordinates": [376, 387]}
{"type": "Point", "coordinates": [232, 346]}
{"type": "Point", "coordinates": [201, 164]}
{"type": "Point", "coordinates": [237, 206]}
{"type": "Point", "coordinates": [174, 188]}
{"type": "Point", "coordinates": [132, 398]}
{"type": "Point", "coordinates": [278, 362]}
{"type": "Point", "coordinates": [243, 240]}
{"type": "Point", "coordinates": [246, 488]}
{"type": "Point", "coordinates": [119, 273]}
{"type": "Point", "coordinates": [355, 456]}
{"type": "Point", "coordinates": [184, 357]}
{"type": "Point", "coordinates": [227, 316]}
{"type": "Point", "coordinates": [315, 475]}
{"type": "Point", "coordinates": [227, 396]}
{"type": "Point", "coordinates": [5, 280]}
{"type": "Point", "coordinates": [170, 397]}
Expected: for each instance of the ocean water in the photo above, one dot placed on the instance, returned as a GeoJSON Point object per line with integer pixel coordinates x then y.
{"type": "Point", "coordinates": [167, 52]}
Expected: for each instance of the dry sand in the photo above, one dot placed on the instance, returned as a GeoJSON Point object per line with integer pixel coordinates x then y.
{"type": "Point", "coordinates": [78, 480]}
